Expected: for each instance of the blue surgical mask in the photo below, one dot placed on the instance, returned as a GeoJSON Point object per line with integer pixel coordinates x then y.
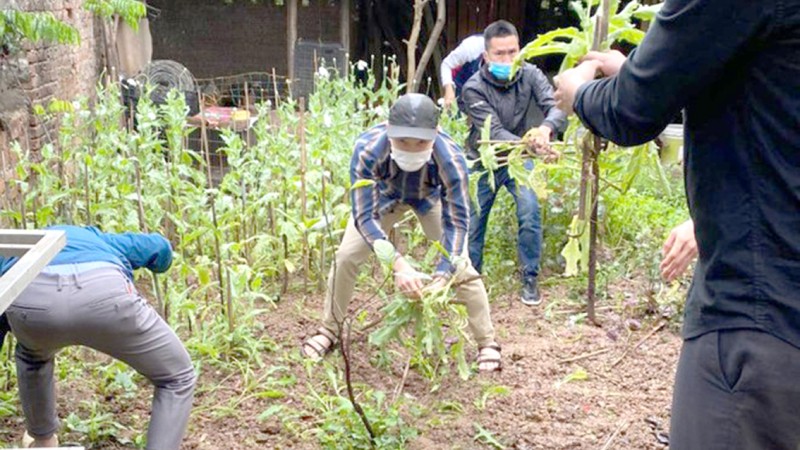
{"type": "Point", "coordinates": [501, 71]}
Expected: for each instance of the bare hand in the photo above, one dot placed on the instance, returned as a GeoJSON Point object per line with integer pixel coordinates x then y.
{"type": "Point", "coordinates": [449, 96]}
{"type": "Point", "coordinates": [538, 142]}
{"type": "Point", "coordinates": [679, 251]}
{"type": "Point", "coordinates": [569, 81]}
{"type": "Point", "coordinates": [610, 62]}
{"type": "Point", "coordinates": [439, 283]}
{"type": "Point", "coordinates": [407, 279]}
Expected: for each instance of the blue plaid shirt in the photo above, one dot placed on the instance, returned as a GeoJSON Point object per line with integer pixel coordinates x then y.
{"type": "Point", "coordinates": [444, 179]}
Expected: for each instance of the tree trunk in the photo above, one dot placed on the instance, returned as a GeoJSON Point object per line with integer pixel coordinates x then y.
{"type": "Point", "coordinates": [411, 50]}
{"type": "Point", "coordinates": [591, 162]}
{"type": "Point", "coordinates": [433, 42]}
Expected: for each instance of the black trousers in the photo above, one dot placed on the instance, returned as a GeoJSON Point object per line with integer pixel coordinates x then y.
{"type": "Point", "coordinates": [736, 389]}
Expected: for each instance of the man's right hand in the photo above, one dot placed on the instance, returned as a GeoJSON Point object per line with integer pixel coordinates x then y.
{"type": "Point", "coordinates": [679, 251]}
{"type": "Point", "coordinates": [449, 96]}
{"type": "Point", "coordinates": [610, 62]}
{"type": "Point", "coordinates": [538, 142]}
{"type": "Point", "coordinates": [407, 279]}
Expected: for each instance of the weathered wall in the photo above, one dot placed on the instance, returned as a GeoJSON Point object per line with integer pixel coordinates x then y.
{"type": "Point", "coordinates": [214, 39]}
{"type": "Point", "coordinates": [44, 72]}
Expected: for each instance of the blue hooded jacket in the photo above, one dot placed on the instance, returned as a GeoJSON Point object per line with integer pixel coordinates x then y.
{"type": "Point", "coordinates": [129, 251]}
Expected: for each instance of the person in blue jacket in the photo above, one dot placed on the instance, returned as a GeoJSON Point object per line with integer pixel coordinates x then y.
{"type": "Point", "coordinates": [86, 296]}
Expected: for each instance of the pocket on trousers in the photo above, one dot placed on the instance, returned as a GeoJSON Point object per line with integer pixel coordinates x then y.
{"type": "Point", "coordinates": [731, 360]}
{"type": "Point", "coordinates": [27, 307]}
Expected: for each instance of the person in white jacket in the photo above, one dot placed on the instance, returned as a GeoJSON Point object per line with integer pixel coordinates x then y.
{"type": "Point", "coordinates": [459, 66]}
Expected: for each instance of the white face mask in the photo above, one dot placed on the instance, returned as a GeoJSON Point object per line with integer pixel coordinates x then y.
{"type": "Point", "coordinates": [411, 161]}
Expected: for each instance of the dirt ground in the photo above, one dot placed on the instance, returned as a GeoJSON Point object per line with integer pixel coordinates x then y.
{"type": "Point", "coordinates": [571, 386]}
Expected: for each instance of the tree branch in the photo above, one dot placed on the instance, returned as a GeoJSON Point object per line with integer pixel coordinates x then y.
{"type": "Point", "coordinates": [433, 41]}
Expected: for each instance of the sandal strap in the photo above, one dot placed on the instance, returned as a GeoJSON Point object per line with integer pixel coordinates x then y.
{"type": "Point", "coordinates": [491, 358]}
{"type": "Point", "coordinates": [495, 347]}
{"type": "Point", "coordinates": [488, 359]}
{"type": "Point", "coordinates": [318, 348]}
{"type": "Point", "coordinates": [328, 334]}
{"type": "Point", "coordinates": [495, 357]}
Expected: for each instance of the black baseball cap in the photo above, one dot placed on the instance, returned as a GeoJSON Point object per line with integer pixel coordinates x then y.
{"type": "Point", "coordinates": [413, 116]}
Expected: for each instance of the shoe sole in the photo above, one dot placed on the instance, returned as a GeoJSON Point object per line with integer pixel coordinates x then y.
{"type": "Point", "coordinates": [528, 303]}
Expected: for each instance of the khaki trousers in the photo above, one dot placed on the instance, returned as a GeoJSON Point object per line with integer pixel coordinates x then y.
{"type": "Point", "coordinates": [353, 251]}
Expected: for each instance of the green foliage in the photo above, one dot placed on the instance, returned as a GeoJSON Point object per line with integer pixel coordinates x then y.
{"type": "Point", "coordinates": [131, 11]}
{"type": "Point", "coordinates": [99, 426]}
{"type": "Point", "coordinates": [573, 43]}
{"type": "Point", "coordinates": [16, 26]}
{"type": "Point", "coordinates": [488, 392]}
{"type": "Point", "coordinates": [485, 437]}
{"type": "Point", "coordinates": [148, 178]}
{"type": "Point", "coordinates": [339, 427]}
{"type": "Point", "coordinates": [428, 319]}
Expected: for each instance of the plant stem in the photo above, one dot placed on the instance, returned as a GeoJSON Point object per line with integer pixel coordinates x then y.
{"type": "Point", "coordinates": [344, 346]}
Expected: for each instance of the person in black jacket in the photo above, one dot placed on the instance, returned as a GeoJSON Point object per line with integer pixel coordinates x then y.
{"type": "Point", "coordinates": [734, 66]}
{"type": "Point", "coordinates": [516, 104]}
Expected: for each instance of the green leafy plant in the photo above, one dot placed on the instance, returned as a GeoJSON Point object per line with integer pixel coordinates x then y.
{"type": "Point", "coordinates": [16, 26]}
{"type": "Point", "coordinates": [427, 318]}
{"type": "Point", "coordinates": [129, 10]}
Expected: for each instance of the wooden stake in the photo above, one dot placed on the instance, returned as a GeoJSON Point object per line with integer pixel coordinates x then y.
{"type": "Point", "coordinates": [291, 35]}
{"type": "Point", "coordinates": [344, 27]}
{"type": "Point", "coordinates": [303, 200]}
{"type": "Point", "coordinates": [204, 147]}
{"type": "Point", "coordinates": [321, 278]}
{"type": "Point", "coordinates": [275, 88]}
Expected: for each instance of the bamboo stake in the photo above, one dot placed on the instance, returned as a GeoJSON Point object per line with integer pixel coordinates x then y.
{"type": "Point", "coordinates": [229, 297]}
{"type": "Point", "coordinates": [86, 192]}
{"type": "Point", "coordinates": [275, 87]}
{"type": "Point", "coordinates": [285, 240]}
{"type": "Point", "coordinates": [303, 194]}
{"type": "Point", "coordinates": [321, 279]}
{"type": "Point", "coordinates": [204, 147]}
{"type": "Point", "coordinates": [6, 185]}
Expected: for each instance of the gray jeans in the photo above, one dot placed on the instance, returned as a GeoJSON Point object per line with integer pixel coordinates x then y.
{"type": "Point", "coordinates": [100, 309]}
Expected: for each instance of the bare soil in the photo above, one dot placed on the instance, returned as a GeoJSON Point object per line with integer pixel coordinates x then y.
{"type": "Point", "coordinates": [571, 386]}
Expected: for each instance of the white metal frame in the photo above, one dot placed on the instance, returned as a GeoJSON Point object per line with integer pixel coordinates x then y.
{"type": "Point", "coordinates": [35, 249]}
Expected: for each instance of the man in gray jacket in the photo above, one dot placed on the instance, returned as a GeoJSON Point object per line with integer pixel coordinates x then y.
{"type": "Point", "coordinates": [516, 105]}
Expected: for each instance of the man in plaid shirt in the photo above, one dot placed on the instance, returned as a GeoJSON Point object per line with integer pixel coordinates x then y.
{"type": "Point", "coordinates": [408, 164]}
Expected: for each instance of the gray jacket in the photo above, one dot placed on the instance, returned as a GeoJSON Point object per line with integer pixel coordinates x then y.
{"type": "Point", "coordinates": [516, 106]}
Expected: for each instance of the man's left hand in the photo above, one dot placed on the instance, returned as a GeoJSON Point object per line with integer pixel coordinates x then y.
{"type": "Point", "coordinates": [439, 283]}
{"type": "Point", "coordinates": [569, 81]}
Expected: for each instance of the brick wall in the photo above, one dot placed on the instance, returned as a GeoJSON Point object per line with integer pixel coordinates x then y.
{"type": "Point", "coordinates": [44, 72]}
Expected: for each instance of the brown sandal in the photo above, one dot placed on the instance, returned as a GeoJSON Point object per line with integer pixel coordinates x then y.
{"type": "Point", "coordinates": [490, 358]}
{"type": "Point", "coordinates": [320, 344]}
